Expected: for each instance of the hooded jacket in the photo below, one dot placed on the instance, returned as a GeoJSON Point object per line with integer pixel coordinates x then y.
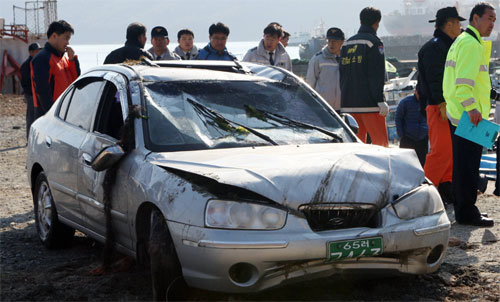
{"type": "Point", "coordinates": [166, 55]}
{"type": "Point", "coordinates": [260, 55]}
{"type": "Point", "coordinates": [431, 60]}
{"type": "Point", "coordinates": [193, 53]}
{"type": "Point", "coordinates": [51, 74]}
{"type": "Point", "coordinates": [362, 72]}
{"type": "Point", "coordinates": [209, 53]}
{"type": "Point", "coordinates": [131, 51]}
{"type": "Point", "coordinates": [323, 75]}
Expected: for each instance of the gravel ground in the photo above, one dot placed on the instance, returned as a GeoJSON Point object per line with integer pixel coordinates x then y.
{"type": "Point", "coordinates": [471, 269]}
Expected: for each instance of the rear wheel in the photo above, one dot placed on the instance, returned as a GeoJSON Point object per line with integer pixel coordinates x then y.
{"type": "Point", "coordinates": [51, 232]}
{"type": "Point", "coordinates": [166, 271]}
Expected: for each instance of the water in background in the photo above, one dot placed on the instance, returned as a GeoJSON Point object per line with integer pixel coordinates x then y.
{"type": "Point", "coordinates": [93, 55]}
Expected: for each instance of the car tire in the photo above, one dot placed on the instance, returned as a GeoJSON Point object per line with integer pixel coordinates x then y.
{"type": "Point", "coordinates": [166, 271]}
{"type": "Point", "coordinates": [51, 232]}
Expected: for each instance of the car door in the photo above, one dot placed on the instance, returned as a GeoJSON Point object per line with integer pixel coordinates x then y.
{"type": "Point", "coordinates": [109, 120]}
{"type": "Point", "coordinates": [67, 135]}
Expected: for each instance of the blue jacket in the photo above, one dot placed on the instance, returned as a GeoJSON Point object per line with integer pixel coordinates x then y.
{"type": "Point", "coordinates": [410, 122]}
{"type": "Point", "coordinates": [209, 53]}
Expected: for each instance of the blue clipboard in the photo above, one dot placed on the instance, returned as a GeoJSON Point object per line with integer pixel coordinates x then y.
{"type": "Point", "coordinates": [484, 134]}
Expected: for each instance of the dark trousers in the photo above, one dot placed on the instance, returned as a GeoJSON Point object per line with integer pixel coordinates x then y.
{"type": "Point", "coordinates": [420, 147]}
{"type": "Point", "coordinates": [466, 162]}
{"type": "Point", "coordinates": [30, 113]}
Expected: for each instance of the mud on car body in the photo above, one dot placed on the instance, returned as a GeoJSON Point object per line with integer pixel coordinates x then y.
{"type": "Point", "coordinates": [238, 177]}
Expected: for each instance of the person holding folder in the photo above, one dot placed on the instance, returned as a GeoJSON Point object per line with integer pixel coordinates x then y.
{"type": "Point", "coordinates": [467, 87]}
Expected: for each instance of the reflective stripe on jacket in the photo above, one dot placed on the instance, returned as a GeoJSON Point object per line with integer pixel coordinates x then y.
{"type": "Point", "coordinates": [323, 75]}
{"type": "Point", "coordinates": [362, 72]}
{"type": "Point", "coordinates": [466, 83]}
{"type": "Point", "coordinates": [260, 55]}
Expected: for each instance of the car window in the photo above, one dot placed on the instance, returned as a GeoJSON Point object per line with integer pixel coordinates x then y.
{"type": "Point", "coordinates": [109, 116]}
{"type": "Point", "coordinates": [224, 114]}
{"type": "Point", "coordinates": [64, 104]}
{"type": "Point", "coordinates": [83, 103]}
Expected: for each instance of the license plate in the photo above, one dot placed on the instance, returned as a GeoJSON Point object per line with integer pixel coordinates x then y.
{"type": "Point", "coordinates": [355, 248]}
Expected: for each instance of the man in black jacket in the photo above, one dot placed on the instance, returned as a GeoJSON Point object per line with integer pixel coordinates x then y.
{"type": "Point", "coordinates": [362, 75]}
{"type": "Point", "coordinates": [133, 49]}
{"type": "Point", "coordinates": [431, 63]}
{"type": "Point", "coordinates": [33, 49]}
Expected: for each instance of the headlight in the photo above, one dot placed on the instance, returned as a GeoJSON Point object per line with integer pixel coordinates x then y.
{"type": "Point", "coordinates": [423, 201]}
{"type": "Point", "coordinates": [228, 214]}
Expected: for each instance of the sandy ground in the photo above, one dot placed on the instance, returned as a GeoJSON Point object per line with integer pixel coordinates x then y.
{"type": "Point", "coordinates": [471, 269]}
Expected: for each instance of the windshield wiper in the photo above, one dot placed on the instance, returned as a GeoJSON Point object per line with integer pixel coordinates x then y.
{"type": "Point", "coordinates": [225, 124]}
{"type": "Point", "coordinates": [259, 113]}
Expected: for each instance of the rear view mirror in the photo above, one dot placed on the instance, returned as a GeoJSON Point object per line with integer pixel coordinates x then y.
{"type": "Point", "coordinates": [107, 157]}
{"type": "Point", "coordinates": [351, 122]}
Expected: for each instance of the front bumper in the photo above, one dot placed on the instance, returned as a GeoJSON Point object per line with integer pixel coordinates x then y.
{"type": "Point", "coordinates": [249, 261]}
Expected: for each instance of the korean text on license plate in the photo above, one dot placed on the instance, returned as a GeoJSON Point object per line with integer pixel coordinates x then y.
{"type": "Point", "coordinates": [338, 250]}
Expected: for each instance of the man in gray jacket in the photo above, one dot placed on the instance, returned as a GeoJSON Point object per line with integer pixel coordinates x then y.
{"type": "Point", "coordinates": [160, 41]}
{"type": "Point", "coordinates": [323, 71]}
{"type": "Point", "coordinates": [186, 49]}
{"type": "Point", "coordinates": [270, 51]}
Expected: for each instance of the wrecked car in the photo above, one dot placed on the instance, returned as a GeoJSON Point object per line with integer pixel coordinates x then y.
{"type": "Point", "coordinates": [234, 177]}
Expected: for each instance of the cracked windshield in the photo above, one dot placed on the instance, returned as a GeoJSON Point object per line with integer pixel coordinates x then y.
{"type": "Point", "coordinates": [195, 115]}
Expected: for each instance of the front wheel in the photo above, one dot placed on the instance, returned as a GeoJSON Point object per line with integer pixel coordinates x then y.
{"type": "Point", "coordinates": [52, 233]}
{"type": "Point", "coordinates": [166, 271]}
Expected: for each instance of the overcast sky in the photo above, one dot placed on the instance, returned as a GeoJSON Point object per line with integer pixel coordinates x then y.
{"type": "Point", "coordinates": [105, 21]}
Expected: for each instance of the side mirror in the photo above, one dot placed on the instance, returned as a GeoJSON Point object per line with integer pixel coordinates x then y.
{"type": "Point", "coordinates": [351, 122]}
{"type": "Point", "coordinates": [107, 157]}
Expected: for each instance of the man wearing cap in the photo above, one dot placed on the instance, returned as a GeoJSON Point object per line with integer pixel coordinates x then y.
{"type": "Point", "coordinates": [133, 49]}
{"type": "Point", "coordinates": [362, 76]}
{"type": "Point", "coordinates": [323, 71]}
{"type": "Point", "coordinates": [160, 41]}
{"type": "Point", "coordinates": [270, 51]}
{"type": "Point", "coordinates": [467, 91]}
{"type": "Point", "coordinates": [216, 48]}
{"type": "Point", "coordinates": [186, 49]}
{"type": "Point", "coordinates": [431, 62]}
{"type": "Point", "coordinates": [33, 49]}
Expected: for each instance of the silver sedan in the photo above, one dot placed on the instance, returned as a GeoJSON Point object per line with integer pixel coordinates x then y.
{"type": "Point", "coordinates": [228, 176]}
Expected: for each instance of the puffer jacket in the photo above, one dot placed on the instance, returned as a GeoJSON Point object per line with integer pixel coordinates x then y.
{"type": "Point", "coordinates": [410, 122]}
{"type": "Point", "coordinates": [260, 55]}
{"type": "Point", "coordinates": [431, 60]}
{"type": "Point", "coordinates": [323, 75]}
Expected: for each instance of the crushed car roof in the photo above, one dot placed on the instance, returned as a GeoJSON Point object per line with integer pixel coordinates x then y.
{"type": "Point", "coordinates": [191, 71]}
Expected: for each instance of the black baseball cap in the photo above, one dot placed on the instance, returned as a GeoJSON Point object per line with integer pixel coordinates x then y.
{"type": "Point", "coordinates": [335, 34]}
{"type": "Point", "coordinates": [447, 12]}
{"type": "Point", "coordinates": [159, 31]}
{"type": "Point", "coordinates": [34, 46]}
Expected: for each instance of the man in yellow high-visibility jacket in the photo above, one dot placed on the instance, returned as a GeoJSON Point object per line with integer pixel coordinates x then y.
{"type": "Point", "coordinates": [467, 87]}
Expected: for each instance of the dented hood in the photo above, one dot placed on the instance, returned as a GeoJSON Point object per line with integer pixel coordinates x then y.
{"type": "Point", "coordinates": [295, 175]}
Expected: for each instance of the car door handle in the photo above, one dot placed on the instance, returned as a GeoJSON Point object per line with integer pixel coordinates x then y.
{"type": "Point", "coordinates": [87, 159]}
{"type": "Point", "coordinates": [48, 141]}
